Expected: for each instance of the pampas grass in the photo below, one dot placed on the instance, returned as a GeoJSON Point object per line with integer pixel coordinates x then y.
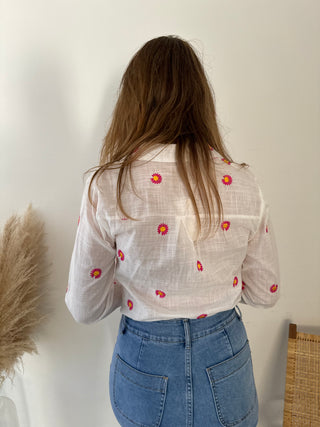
{"type": "Point", "coordinates": [22, 270]}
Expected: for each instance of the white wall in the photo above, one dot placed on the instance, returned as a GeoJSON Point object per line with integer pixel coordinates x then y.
{"type": "Point", "coordinates": [61, 64]}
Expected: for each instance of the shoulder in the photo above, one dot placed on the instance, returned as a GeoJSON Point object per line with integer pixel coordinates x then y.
{"type": "Point", "coordinates": [240, 181]}
{"type": "Point", "coordinates": [245, 172]}
{"type": "Point", "coordinates": [99, 182]}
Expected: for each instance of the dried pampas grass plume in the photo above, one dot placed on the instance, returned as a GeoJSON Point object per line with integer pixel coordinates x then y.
{"type": "Point", "coordinates": [22, 269]}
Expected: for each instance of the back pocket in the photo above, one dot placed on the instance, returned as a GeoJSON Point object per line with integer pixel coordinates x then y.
{"type": "Point", "coordinates": [139, 396]}
{"type": "Point", "coordinates": [233, 388]}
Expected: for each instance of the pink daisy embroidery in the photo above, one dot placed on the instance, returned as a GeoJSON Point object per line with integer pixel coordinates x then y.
{"type": "Point", "coordinates": [267, 229]}
{"type": "Point", "coordinates": [235, 281]}
{"type": "Point", "coordinates": [226, 161]}
{"type": "Point", "coordinates": [163, 229]}
{"type": "Point", "coordinates": [202, 316]}
{"type": "Point", "coordinates": [225, 225]}
{"type": "Point", "coordinates": [156, 178]}
{"type": "Point", "coordinates": [211, 148]}
{"type": "Point", "coordinates": [120, 255]}
{"type": "Point", "coordinates": [227, 180]}
{"type": "Point", "coordinates": [243, 285]}
{"type": "Point", "coordinates": [95, 273]}
{"type": "Point", "coordinates": [160, 293]}
{"type": "Point", "coordinates": [274, 288]}
{"type": "Point", "coordinates": [124, 218]}
{"type": "Point", "coordinates": [130, 304]}
{"type": "Point", "coordinates": [199, 265]}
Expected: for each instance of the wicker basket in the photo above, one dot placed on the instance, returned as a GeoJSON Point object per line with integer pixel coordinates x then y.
{"type": "Point", "coordinates": [302, 393]}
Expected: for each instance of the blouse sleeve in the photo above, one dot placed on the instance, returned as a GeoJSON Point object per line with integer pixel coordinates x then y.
{"type": "Point", "coordinates": [91, 294]}
{"type": "Point", "coordinates": [260, 269]}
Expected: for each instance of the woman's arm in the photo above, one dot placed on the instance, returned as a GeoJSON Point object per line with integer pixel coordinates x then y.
{"type": "Point", "coordinates": [92, 294]}
{"type": "Point", "coordinates": [260, 269]}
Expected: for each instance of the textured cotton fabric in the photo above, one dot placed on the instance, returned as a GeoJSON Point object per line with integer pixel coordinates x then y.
{"type": "Point", "coordinates": [153, 268]}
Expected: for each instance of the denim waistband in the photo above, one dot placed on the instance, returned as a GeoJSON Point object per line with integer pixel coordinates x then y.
{"type": "Point", "coordinates": [173, 329]}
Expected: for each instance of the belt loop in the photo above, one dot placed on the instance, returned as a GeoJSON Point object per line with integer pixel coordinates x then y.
{"type": "Point", "coordinates": [122, 325]}
{"type": "Point", "coordinates": [240, 314]}
{"type": "Point", "coordinates": [186, 325]}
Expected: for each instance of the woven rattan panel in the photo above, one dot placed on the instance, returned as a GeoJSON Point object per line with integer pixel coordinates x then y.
{"type": "Point", "coordinates": [302, 400]}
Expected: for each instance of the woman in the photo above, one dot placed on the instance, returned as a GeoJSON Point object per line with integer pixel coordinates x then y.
{"type": "Point", "coordinates": [176, 245]}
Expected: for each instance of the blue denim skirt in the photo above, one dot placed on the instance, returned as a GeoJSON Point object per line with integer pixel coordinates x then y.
{"type": "Point", "coordinates": [184, 373]}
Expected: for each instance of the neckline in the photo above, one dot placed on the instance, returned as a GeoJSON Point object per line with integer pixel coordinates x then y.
{"type": "Point", "coordinates": [166, 153]}
{"type": "Point", "coordinates": [161, 153]}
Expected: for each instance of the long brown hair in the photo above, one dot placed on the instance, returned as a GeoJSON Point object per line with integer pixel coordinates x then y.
{"type": "Point", "coordinates": [165, 97]}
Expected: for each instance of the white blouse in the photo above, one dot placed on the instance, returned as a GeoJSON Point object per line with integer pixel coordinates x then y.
{"type": "Point", "coordinates": [152, 268]}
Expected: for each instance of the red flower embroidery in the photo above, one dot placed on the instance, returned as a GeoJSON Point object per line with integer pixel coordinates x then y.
{"type": "Point", "coordinates": [267, 229]}
{"type": "Point", "coordinates": [274, 288]}
{"type": "Point", "coordinates": [225, 225]}
{"type": "Point", "coordinates": [235, 281]}
{"type": "Point", "coordinates": [227, 180]}
{"type": "Point", "coordinates": [199, 265]}
{"type": "Point", "coordinates": [226, 161]}
{"type": "Point", "coordinates": [130, 304]}
{"type": "Point", "coordinates": [120, 255]}
{"type": "Point", "coordinates": [163, 229]}
{"type": "Point", "coordinates": [160, 293]}
{"type": "Point", "coordinates": [202, 316]}
{"type": "Point", "coordinates": [95, 273]}
{"type": "Point", "coordinates": [243, 285]}
{"type": "Point", "coordinates": [156, 178]}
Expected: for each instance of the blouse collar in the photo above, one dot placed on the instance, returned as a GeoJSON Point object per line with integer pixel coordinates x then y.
{"type": "Point", "coordinates": [165, 154]}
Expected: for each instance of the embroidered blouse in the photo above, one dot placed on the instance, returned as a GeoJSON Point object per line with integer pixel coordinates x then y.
{"type": "Point", "coordinates": [153, 268]}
